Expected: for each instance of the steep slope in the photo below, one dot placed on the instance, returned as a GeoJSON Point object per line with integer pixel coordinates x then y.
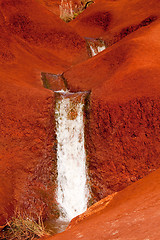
{"type": "Point", "coordinates": [51, 5]}
{"type": "Point", "coordinates": [42, 28]}
{"type": "Point", "coordinates": [113, 20]}
{"type": "Point", "coordinates": [131, 214]}
{"type": "Point", "coordinates": [123, 131]}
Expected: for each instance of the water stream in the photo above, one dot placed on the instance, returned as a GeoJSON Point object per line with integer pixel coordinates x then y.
{"type": "Point", "coordinates": [95, 46]}
{"type": "Point", "coordinates": [72, 190]}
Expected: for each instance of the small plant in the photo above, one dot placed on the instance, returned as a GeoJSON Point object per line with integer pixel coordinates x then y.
{"type": "Point", "coordinates": [22, 227]}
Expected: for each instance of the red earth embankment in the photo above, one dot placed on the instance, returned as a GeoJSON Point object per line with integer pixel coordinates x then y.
{"type": "Point", "coordinates": [123, 132]}
{"type": "Point", "coordinates": [131, 214]}
{"type": "Point", "coordinates": [31, 22]}
{"type": "Point", "coordinates": [113, 20]}
{"type": "Point", "coordinates": [51, 5]}
{"type": "Point", "coordinates": [33, 40]}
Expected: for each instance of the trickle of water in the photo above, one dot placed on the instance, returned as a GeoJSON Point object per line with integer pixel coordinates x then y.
{"type": "Point", "coordinates": [95, 45]}
{"type": "Point", "coordinates": [101, 48]}
{"type": "Point", "coordinates": [72, 191]}
{"type": "Point", "coordinates": [93, 51]}
{"type": "Point", "coordinates": [96, 49]}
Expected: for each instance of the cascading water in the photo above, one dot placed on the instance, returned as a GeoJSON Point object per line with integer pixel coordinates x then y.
{"type": "Point", "coordinates": [101, 48]}
{"type": "Point", "coordinates": [72, 191]}
{"type": "Point", "coordinates": [93, 51]}
{"type": "Point", "coordinates": [97, 49]}
{"type": "Point", "coordinates": [95, 46]}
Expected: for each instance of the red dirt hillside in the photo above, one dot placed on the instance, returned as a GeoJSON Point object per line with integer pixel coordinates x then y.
{"type": "Point", "coordinates": [42, 28]}
{"type": "Point", "coordinates": [132, 214]}
{"type": "Point", "coordinates": [33, 40]}
{"type": "Point", "coordinates": [51, 5]}
{"type": "Point", "coordinates": [113, 20]}
{"type": "Point", "coordinates": [122, 136]}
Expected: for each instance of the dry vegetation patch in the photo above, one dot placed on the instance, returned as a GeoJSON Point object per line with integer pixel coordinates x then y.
{"type": "Point", "coordinates": [23, 227]}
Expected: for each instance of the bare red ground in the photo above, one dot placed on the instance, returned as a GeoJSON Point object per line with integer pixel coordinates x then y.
{"type": "Point", "coordinates": [132, 214]}
{"type": "Point", "coordinates": [51, 5]}
{"type": "Point", "coordinates": [109, 19]}
{"type": "Point", "coordinates": [42, 28]}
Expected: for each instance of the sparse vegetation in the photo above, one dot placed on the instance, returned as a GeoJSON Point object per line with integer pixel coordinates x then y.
{"type": "Point", "coordinates": [68, 12]}
{"type": "Point", "coordinates": [23, 227]}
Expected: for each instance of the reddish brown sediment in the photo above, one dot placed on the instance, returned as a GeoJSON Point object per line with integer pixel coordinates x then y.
{"type": "Point", "coordinates": [113, 20]}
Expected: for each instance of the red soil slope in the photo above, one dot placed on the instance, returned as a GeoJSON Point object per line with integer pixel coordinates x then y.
{"type": "Point", "coordinates": [42, 28]}
{"type": "Point", "coordinates": [109, 19]}
{"type": "Point", "coordinates": [32, 40]}
{"type": "Point", "coordinates": [132, 214]}
{"type": "Point", "coordinates": [51, 5]}
{"type": "Point", "coordinates": [122, 135]}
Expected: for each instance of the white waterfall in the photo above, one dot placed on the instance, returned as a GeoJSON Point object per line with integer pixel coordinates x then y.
{"type": "Point", "coordinates": [101, 48]}
{"type": "Point", "coordinates": [96, 49]}
{"type": "Point", "coordinates": [72, 190]}
{"type": "Point", "coordinates": [95, 45]}
{"type": "Point", "coordinates": [93, 51]}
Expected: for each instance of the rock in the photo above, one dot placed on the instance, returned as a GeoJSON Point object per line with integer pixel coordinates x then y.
{"type": "Point", "coordinates": [53, 82]}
